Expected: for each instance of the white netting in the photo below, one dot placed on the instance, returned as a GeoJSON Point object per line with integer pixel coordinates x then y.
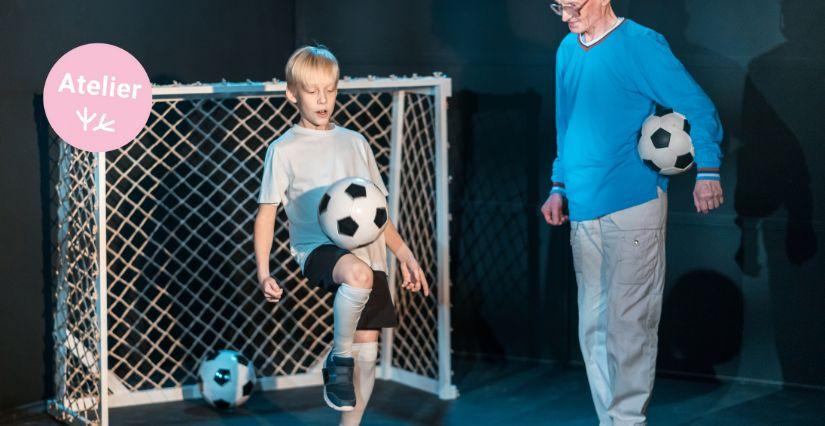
{"type": "Point", "coordinates": [76, 330]}
{"type": "Point", "coordinates": [415, 343]}
{"type": "Point", "coordinates": [181, 202]}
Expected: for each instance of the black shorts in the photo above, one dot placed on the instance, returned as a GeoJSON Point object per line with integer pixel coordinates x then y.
{"type": "Point", "coordinates": [379, 311]}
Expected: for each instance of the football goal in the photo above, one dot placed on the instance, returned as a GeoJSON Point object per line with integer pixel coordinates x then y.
{"type": "Point", "coordinates": [154, 261]}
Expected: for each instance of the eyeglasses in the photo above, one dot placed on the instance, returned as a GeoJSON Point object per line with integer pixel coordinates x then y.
{"type": "Point", "coordinates": [572, 9]}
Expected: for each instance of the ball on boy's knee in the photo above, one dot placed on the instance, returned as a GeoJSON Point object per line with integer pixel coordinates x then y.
{"type": "Point", "coordinates": [353, 212]}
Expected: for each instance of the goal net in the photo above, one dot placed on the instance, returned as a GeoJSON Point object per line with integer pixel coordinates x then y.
{"type": "Point", "coordinates": [154, 260]}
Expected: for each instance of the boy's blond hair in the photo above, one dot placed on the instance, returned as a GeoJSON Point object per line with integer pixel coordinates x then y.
{"type": "Point", "coordinates": [311, 64]}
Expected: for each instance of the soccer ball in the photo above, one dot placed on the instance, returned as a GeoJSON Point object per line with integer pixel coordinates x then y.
{"type": "Point", "coordinates": [353, 212]}
{"type": "Point", "coordinates": [665, 144]}
{"type": "Point", "coordinates": [225, 378]}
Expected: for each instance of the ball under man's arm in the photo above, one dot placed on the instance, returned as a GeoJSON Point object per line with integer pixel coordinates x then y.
{"type": "Point", "coordinates": [663, 78]}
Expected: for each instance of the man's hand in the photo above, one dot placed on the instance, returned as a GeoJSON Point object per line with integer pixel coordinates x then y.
{"type": "Point", "coordinates": [553, 210]}
{"type": "Point", "coordinates": [411, 272]}
{"type": "Point", "coordinates": [272, 291]}
{"type": "Point", "coordinates": [707, 195]}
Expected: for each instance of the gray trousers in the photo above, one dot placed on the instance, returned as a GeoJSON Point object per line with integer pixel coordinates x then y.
{"type": "Point", "coordinates": [620, 266]}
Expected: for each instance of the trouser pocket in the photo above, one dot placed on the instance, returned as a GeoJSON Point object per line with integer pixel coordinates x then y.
{"type": "Point", "coordinates": [638, 255]}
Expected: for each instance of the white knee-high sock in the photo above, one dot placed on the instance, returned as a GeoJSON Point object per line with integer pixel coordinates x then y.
{"type": "Point", "coordinates": [365, 355]}
{"type": "Point", "coordinates": [346, 311]}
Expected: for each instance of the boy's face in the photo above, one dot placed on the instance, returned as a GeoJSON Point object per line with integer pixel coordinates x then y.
{"type": "Point", "coordinates": [315, 102]}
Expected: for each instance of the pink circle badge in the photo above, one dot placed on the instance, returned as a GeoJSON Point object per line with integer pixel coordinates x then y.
{"type": "Point", "coordinates": [97, 97]}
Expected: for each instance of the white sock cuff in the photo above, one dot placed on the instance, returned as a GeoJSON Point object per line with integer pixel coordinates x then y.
{"type": "Point", "coordinates": [366, 351]}
{"type": "Point", "coordinates": [354, 293]}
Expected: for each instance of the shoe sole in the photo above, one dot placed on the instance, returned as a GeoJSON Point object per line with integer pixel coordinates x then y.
{"type": "Point", "coordinates": [336, 407]}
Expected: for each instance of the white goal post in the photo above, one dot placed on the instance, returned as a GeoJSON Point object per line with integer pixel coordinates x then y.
{"type": "Point", "coordinates": [154, 263]}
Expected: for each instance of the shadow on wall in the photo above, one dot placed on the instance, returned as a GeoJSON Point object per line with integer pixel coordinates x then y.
{"type": "Point", "coordinates": [506, 296]}
{"type": "Point", "coordinates": [779, 198]}
{"type": "Point", "coordinates": [495, 222]}
{"type": "Point", "coordinates": [780, 92]}
{"type": "Point", "coordinates": [702, 321]}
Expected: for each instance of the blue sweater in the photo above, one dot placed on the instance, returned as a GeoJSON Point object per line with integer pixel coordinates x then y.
{"type": "Point", "coordinates": [603, 95]}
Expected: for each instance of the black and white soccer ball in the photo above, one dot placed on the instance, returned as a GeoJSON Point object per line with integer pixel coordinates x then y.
{"type": "Point", "coordinates": [665, 144]}
{"type": "Point", "coordinates": [225, 378]}
{"type": "Point", "coordinates": [353, 212]}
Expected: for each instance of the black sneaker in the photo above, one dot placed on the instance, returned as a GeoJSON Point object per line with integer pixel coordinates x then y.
{"type": "Point", "coordinates": [339, 392]}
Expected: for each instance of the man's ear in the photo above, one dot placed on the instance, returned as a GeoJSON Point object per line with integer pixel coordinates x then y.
{"type": "Point", "coordinates": [290, 95]}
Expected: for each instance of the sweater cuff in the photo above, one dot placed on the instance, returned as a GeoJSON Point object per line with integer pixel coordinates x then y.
{"type": "Point", "coordinates": [708, 173]}
{"type": "Point", "coordinates": [558, 188]}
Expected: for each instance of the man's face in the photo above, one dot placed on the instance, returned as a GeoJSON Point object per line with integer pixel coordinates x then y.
{"type": "Point", "coordinates": [315, 101]}
{"type": "Point", "coordinates": [580, 15]}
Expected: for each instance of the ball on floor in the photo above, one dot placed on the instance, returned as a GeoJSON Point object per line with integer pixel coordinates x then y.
{"type": "Point", "coordinates": [226, 378]}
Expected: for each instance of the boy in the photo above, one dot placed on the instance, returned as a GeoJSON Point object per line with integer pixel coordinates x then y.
{"type": "Point", "coordinates": [298, 168]}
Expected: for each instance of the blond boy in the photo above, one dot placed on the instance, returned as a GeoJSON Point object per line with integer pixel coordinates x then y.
{"type": "Point", "coordinates": [298, 168]}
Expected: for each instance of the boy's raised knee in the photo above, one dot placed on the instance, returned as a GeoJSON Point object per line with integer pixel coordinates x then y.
{"type": "Point", "coordinates": [360, 276]}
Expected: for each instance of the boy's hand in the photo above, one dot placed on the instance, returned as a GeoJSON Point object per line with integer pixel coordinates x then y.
{"type": "Point", "coordinates": [411, 272]}
{"type": "Point", "coordinates": [272, 291]}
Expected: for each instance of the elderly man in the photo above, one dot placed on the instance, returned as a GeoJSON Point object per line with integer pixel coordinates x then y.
{"type": "Point", "coordinates": [610, 74]}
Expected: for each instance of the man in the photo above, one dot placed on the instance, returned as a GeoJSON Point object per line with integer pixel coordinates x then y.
{"type": "Point", "coordinates": [610, 75]}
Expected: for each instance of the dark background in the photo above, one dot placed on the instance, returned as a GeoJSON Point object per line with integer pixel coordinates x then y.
{"type": "Point", "coordinates": [746, 284]}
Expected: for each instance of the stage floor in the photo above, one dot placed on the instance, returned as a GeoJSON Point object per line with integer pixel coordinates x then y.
{"type": "Point", "coordinates": [503, 393]}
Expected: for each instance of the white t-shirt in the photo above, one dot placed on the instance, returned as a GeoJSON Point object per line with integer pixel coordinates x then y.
{"type": "Point", "coordinates": [300, 166]}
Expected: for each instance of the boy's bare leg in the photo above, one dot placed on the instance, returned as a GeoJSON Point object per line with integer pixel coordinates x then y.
{"type": "Point", "coordinates": [365, 352]}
